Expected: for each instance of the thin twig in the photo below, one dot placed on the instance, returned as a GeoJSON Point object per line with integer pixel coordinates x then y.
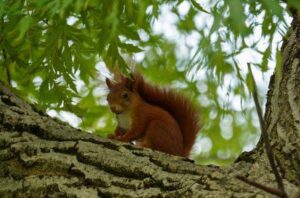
{"type": "Point", "coordinates": [271, 190]}
{"type": "Point", "coordinates": [265, 136]}
{"type": "Point", "coordinates": [6, 66]}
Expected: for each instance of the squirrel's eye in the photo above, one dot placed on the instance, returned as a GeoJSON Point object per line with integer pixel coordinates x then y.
{"type": "Point", "coordinates": [125, 95]}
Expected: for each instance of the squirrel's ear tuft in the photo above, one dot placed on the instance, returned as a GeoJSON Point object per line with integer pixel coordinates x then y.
{"type": "Point", "coordinates": [131, 76]}
{"type": "Point", "coordinates": [129, 84]}
{"type": "Point", "coordinates": [108, 83]}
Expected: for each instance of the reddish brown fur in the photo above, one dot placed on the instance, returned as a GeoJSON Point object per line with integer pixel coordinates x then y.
{"type": "Point", "coordinates": [162, 119]}
{"type": "Point", "coordinates": [183, 111]}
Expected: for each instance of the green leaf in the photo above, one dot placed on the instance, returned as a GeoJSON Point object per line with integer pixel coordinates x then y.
{"type": "Point", "coordinates": [130, 47]}
{"type": "Point", "coordinates": [265, 59]}
{"type": "Point", "coordinates": [24, 25]}
{"type": "Point", "coordinates": [237, 17]}
{"type": "Point", "coordinates": [198, 6]}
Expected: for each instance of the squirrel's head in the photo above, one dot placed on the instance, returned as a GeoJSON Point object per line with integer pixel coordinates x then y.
{"type": "Point", "coordinates": [121, 94]}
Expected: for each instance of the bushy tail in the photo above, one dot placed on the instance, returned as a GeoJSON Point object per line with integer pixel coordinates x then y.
{"type": "Point", "coordinates": [184, 112]}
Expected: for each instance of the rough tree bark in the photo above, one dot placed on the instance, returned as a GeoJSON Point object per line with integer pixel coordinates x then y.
{"type": "Point", "coordinates": [41, 156]}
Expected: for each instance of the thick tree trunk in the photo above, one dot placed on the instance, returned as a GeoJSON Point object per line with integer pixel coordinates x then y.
{"type": "Point", "coordinates": [41, 156]}
{"type": "Point", "coordinates": [283, 108]}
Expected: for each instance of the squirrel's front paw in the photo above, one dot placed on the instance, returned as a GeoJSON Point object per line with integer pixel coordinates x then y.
{"type": "Point", "coordinates": [111, 136]}
{"type": "Point", "coordinates": [118, 137]}
{"type": "Point", "coordinates": [121, 138]}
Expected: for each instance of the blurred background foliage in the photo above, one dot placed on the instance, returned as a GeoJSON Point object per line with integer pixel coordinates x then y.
{"type": "Point", "coordinates": [57, 53]}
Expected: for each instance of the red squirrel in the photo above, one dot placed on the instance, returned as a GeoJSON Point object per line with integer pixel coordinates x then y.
{"type": "Point", "coordinates": [155, 118]}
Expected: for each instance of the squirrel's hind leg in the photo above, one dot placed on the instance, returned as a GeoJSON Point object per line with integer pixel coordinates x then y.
{"type": "Point", "coordinates": [159, 136]}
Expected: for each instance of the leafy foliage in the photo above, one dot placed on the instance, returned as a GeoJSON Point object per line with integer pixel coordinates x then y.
{"type": "Point", "coordinates": [53, 52]}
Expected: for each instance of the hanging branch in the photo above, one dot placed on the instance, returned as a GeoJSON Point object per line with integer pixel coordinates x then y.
{"type": "Point", "coordinates": [265, 135]}
{"type": "Point", "coordinates": [6, 66]}
{"type": "Point", "coordinates": [270, 190]}
{"type": "Point", "coordinates": [280, 191]}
